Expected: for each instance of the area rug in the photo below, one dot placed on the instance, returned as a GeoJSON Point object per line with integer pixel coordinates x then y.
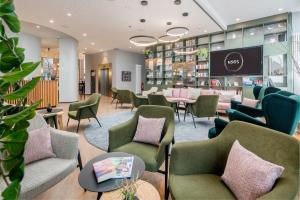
{"type": "Point", "coordinates": [184, 131]}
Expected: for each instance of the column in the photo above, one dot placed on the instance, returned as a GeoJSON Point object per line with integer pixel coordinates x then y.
{"type": "Point", "coordinates": [68, 66]}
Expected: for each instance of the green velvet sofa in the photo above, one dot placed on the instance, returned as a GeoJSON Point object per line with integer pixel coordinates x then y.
{"type": "Point", "coordinates": [121, 138]}
{"type": "Point", "coordinates": [196, 167]}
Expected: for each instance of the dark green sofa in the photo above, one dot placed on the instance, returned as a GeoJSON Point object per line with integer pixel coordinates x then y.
{"type": "Point", "coordinates": [196, 167]}
{"type": "Point", "coordinates": [121, 136]}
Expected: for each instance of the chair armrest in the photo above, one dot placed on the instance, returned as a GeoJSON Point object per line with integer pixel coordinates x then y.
{"type": "Point", "coordinates": [285, 188]}
{"type": "Point", "coordinates": [237, 115]}
{"type": "Point", "coordinates": [167, 139]}
{"type": "Point", "coordinates": [220, 124]}
{"type": "Point", "coordinates": [195, 158]}
{"type": "Point", "coordinates": [75, 106]}
{"type": "Point", "coordinates": [253, 112]}
{"type": "Point", "coordinates": [64, 144]}
{"type": "Point", "coordinates": [121, 134]}
{"type": "Point", "coordinates": [234, 104]}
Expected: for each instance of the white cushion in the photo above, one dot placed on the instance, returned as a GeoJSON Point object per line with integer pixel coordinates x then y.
{"type": "Point", "coordinates": [193, 93]}
{"type": "Point", "coordinates": [168, 92]}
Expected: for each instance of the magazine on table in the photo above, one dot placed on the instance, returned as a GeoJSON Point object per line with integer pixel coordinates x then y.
{"type": "Point", "coordinates": [115, 167]}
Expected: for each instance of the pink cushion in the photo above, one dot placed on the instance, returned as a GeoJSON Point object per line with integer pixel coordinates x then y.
{"type": "Point", "coordinates": [38, 145]}
{"type": "Point", "coordinates": [223, 106]}
{"type": "Point", "coordinates": [176, 92]}
{"type": "Point", "coordinates": [207, 92]}
{"type": "Point", "coordinates": [184, 93]}
{"type": "Point", "coordinates": [149, 130]}
{"type": "Point", "coordinates": [250, 102]}
{"type": "Point", "coordinates": [247, 175]}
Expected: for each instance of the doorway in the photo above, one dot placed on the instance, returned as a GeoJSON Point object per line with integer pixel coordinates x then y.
{"type": "Point", "coordinates": [104, 79]}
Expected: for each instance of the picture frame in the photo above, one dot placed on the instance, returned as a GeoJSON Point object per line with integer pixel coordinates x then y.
{"type": "Point", "coordinates": [126, 76]}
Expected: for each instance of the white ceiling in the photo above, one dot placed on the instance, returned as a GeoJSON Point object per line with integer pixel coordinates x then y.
{"type": "Point", "coordinates": [107, 22]}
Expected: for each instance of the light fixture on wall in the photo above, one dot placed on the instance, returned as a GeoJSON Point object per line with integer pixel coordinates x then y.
{"type": "Point", "coordinates": [177, 31]}
{"type": "Point", "coordinates": [143, 40]}
{"type": "Point", "coordinates": [168, 39]}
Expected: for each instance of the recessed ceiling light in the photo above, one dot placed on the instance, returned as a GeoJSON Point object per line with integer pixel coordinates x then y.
{"type": "Point", "coordinates": [205, 31]}
{"type": "Point", "coordinates": [93, 43]}
{"type": "Point", "coordinates": [280, 9]}
{"type": "Point", "coordinates": [142, 20]}
{"type": "Point", "coordinates": [169, 23]}
{"type": "Point", "coordinates": [69, 14]}
{"type": "Point", "coordinates": [185, 14]}
{"type": "Point", "coordinates": [130, 47]}
{"type": "Point", "coordinates": [84, 34]}
{"type": "Point", "coordinates": [144, 3]}
{"type": "Point", "coordinates": [37, 26]}
{"type": "Point", "coordinates": [237, 19]}
{"type": "Point", "coordinates": [85, 48]}
{"type": "Point", "coordinates": [51, 21]}
{"type": "Point", "coordinates": [177, 2]}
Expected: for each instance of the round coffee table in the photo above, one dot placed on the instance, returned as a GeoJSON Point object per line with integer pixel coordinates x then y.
{"type": "Point", "coordinates": [87, 179]}
{"type": "Point", "coordinates": [145, 191]}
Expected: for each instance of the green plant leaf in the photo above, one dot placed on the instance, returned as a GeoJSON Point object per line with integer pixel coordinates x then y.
{"type": "Point", "coordinates": [14, 149]}
{"type": "Point", "coordinates": [1, 28]}
{"type": "Point", "coordinates": [12, 192]}
{"type": "Point", "coordinates": [19, 136]}
{"type": "Point", "coordinates": [23, 91]}
{"type": "Point", "coordinates": [10, 162]}
{"type": "Point", "coordinates": [4, 45]}
{"type": "Point", "coordinates": [12, 22]}
{"type": "Point", "coordinates": [15, 76]}
{"type": "Point", "coordinates": [15, 118]}
{"type": "Point", "coordinates": [6, 8]}
{"type": "Point", "coordinates": [17, 173]}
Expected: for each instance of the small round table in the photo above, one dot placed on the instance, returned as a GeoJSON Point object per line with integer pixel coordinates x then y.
{"type": "Point", "coordinates": [52, 115]}
{"type": "Point", "coordinates": [145, 191]}
{"type": "Point", "coordinates": [87, 179]}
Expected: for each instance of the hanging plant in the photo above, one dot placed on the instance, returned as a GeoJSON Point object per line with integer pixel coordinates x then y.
{"type": "Point", "coordinates": [13, 118]}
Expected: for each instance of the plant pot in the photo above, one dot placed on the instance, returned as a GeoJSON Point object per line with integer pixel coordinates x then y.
{"type": "Point", "coordinates": [135, 198]}
{"type": "Point", "coordinates": [49, 109]}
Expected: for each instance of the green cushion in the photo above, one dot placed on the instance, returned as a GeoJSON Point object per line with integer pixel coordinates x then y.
{"type": "Point", "coordinates": [202, 186]}
{"type": "Point", "coordinates": [146, 152]}
{"type": "Point", "coordinates": [72, 114]}
{"type": "Point", "coordinates": [212, 133]}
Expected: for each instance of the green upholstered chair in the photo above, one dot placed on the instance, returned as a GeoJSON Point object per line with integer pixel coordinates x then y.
{"type": "Point", "coordinates": [160, 100]}
{"type": "Point", "coordinates": [138, 101]}
{"type": "Point", "coordinates": [205, 106]}
{"type": "Point", "coordinates": [114, 93]}
{"type": "Point", "coordinates": [281, 111]}
{"type": "Point", "coordinates": [124, 96]}
{"type": "Point", "coordinates": [121, 136]}
{"type": "Point", "coordinates": [85, 109]}
{"type": "Point", "coordinates": [196, 167]}
{"type": "Point", "coordinates": [259, 93]}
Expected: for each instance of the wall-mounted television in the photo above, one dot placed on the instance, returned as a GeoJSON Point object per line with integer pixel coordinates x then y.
{"type": "Point", "coordinates": [244, 61]}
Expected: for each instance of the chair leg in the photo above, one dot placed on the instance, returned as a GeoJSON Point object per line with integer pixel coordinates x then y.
{"type": "Point", "coordinates": [166, 171]}
{"type": "Point", "coordinates": [117, 104]}
{"type": "Point", "coordinates": [89, 119]}
{"type": "Point", "coordinates": [68, 121]}
{"type": "Point", "coordinates": [132, 108]}
{"type": "Point", "coordinates": [193, 120]}
{"type": "Point", "coordinates": [79, 161]}
{"type": "Point", "coordinates": [185, 111]}
{"type": "Point", "coordinates": [97, 121]}
{"type": "Point", "coordinates": [177, 111]}
{"type": "Point", "coordinates": [78, 126]}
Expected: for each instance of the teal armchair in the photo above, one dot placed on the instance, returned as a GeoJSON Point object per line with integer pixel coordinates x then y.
{"type": "Point", "coordinates": [124, 96]}
{"type": "Point", "coordinates": [138, 101]}
{"type": "Point", "coordinates": [196, 167]}
{"type": "Point", "coordinates": [114, 93]}
{"type": "Point", "coordinates": [121, 136]}
{"type": "Point", "coordinates": [84, 109]}
{"type": "Point", "coordinates": [160, 100]}
{"type": "Point", "coordinates": [205, 106]}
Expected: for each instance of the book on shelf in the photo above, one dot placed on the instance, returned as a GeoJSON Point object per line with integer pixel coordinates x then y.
{"type": "Point", "coordinates": [115, 167]}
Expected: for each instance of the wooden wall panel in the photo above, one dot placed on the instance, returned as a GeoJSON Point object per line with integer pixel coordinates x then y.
{"type": "Point", "coordinates": [45, 90]}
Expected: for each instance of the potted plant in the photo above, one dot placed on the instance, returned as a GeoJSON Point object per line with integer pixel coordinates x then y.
{"type": "Point", "coordinates": [129, 189]}
{"type": "Point", "coordinates": [49, 108]}
{"type": "Point", "coordinates": [13, 118]}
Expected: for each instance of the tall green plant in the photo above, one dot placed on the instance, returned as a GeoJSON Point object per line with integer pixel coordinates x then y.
{"type": "Point", "coordinates": [13, 118]}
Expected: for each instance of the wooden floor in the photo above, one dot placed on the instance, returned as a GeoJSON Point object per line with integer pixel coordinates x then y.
{"type": "Point", "coordinates": [69, 189]}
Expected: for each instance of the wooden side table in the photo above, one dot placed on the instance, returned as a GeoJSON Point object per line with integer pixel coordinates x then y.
{"type": "Point", "coordinates": [55, 115]}
{"type": "Point", "coordinates": [145, 191]}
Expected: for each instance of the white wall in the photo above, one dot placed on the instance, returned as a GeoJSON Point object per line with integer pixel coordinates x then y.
{"type": "Point", "coordinates": [296, 49]}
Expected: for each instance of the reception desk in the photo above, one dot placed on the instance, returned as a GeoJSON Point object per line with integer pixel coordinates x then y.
{"type": "Point", "coordinates": [45, 90]}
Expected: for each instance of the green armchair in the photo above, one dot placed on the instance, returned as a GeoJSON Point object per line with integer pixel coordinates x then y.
{"type": "Point", "coordinates": [114, 93]}
{"type": "Point", "coordinates": [196, 167]}
{"type": "Point", "coordinates": [121, 136]}
{"type": "Point", "coordinates": [124, 96]}
{"type": "Point", "coordinates": [160, 100]}
{"type": "Point", "coordinates": [138, 101]}
{"type": "Point", "coordinates": [205, 106]}
{"type": "Point", "coordinates": [85, 109]}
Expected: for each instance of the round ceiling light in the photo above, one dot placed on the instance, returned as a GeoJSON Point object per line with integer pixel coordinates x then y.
{"type": "Point", "coordinates": [178, 31]}
{"type": "Point", "coordinates": [177, 2]}
{"type": "Point", "coordinates": [168, 39]}
{"type": "Point", "coordinates": [143, 40]}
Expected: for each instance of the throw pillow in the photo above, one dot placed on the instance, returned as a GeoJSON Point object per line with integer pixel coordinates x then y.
{"type": "Point", "coordinates": [226, 96]}
{"type": "Point", "coordinates": [250, 102]}
{"type": "Point", "coordinates": [176, 93]}
{"type": "Point", "coordinates": [247, 175]}
{"type": "Point", "coordinates": [207, 92]}
{"type": "Point", "coordinates": [38, 145]}
{"type": "Point", "coordinates": [193, 93]}
{"type": "Point", "coordinates": [149, 130]}
{"type": "Point", "coordinates": [168, 92]}
{"type": "Point", "coordinates": [184, 93]}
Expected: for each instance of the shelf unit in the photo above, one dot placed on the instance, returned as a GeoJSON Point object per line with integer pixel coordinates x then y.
{"type": "Point", "coordinates": [186, 63]}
